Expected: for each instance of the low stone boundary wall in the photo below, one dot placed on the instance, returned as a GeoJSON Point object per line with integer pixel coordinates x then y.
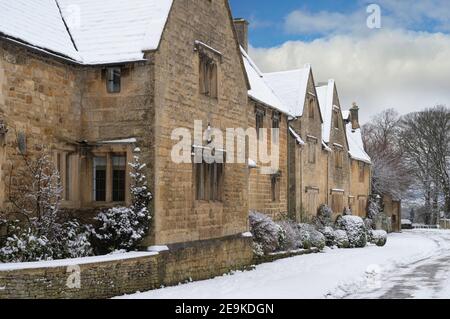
{"type": "Point", "coordinates": [282, 255]}
{"type": "Point", "coordinates": [115, 275]}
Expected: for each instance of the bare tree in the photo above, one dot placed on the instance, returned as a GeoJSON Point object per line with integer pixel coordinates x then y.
{"type": "Point", "coordinates": [425, 140]}
{"type": "Point", "coordinates": [381, 138]}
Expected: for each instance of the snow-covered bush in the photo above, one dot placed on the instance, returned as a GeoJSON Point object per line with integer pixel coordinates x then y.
{"type": "Point", "coordinates": [76, 241]}
{"type": "Point", "coordinates": [265, 232]}
{"type": "Point", "coordinates": [374, 209]}
{"type": "Point", "coordinates": [125, 227]}
{"type": "Point", "coordinates": [324, 217]}
{"type": "Point", "coordinates": [35, 192]}
{"type": "Point", "coordinates": [291, 233]}
{"type": "Point", "coordinates": [316, 239]}
{"type": "Point", "coordinates": [341, 239]}
{"type": "Point", "coordinates": [378, 237]}
{"type": "Point", "coordinates": [25, 247]}
{"type": "Point", "coordinates": [355, 229]}
{"type": "Point", "coordinates": [258, 249]}
{"type": "Point", "coordinates": [330, 238]}
{"type": "Point", "coordinates": [347, 212]}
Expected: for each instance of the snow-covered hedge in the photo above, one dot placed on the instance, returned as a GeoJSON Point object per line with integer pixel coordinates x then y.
{"type": "Point", "coordinates": [330, 237]}
{"type": "Point", "coordinates": [324, 217]}
{"type": "Point", "coordinates": [292, 240]}
{"type": "Point", "coordinates": [266, 233]}
{"type": "Point", "coordinates": [356, 230]}
{"type": "Point", "coordinates": [316, 239]}
{"type": "Point", "coordinates": [378, 237]}
{"type": "Point", "coordinates": [44, 234]}
{"type": "Point", "coordinates": [341, 239]}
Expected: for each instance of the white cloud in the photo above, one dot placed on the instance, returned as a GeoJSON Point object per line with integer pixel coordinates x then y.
{"type": "Point", "coordinates": [324, 22]}
{"type": "Point", "coordinates": [400, 69]}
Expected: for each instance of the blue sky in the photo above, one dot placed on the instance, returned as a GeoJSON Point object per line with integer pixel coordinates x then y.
{"type": "Point", "coordinates": [404, 64]}
{"type": "Point", "coordinates": [268, 17]}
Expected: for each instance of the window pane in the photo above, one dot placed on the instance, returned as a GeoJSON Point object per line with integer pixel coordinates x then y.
{"type": "Point", "coordinates": [119, 172]}
{"type": "Point", "coordinates": [100, 179]}
{"type": "Point", "coordinates": [113, 80]}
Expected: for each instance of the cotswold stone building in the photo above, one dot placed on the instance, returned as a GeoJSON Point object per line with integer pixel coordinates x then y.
{"type": "Point", "coordinates": [322, 158]}
{"type": "Point", "coordinates": [93, 80]}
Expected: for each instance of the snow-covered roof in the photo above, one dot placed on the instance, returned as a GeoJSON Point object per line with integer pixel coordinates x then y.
{"type": "Point", "coordinates": [297, 136]}
{"type": "Point", "coordinates": [325, 95]}
{"type": "Point", "coordinates": [356, 145]}
{"type": "Point", "coordinates": [346, 115]}
{"type": "Point", "coordinates": [103, 32]}
{"type": "Point", "coordinates": [260, 90]}
{"type": "Point", "coordinates": [38, 24]}
{"type": "Point", "coordinates": [291, 87]}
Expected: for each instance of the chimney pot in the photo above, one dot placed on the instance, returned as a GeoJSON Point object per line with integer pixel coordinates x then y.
{"type": "Point", "coordinates": [354, 114]}
{"type": "Point", "coordinates": [241, 27]}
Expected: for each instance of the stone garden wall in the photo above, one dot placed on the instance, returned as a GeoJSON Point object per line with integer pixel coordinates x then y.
{"type": "Point", "coordinates": [115, 275]}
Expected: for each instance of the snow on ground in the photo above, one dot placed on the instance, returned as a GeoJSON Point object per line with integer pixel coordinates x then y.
{"type": "Point", "coordinates": [331, 274]}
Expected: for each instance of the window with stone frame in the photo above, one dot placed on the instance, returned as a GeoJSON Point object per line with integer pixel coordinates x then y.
{"type": "Point", "coordinates": [109, 177]}
{"type": "Point", "coordinates": [312, 150]}
{"type": "Point", "coordinates": [113, 79]}
{"type": "Point", "coordinates": [208, 75]}
{"type": "Point", "coordinates": [362, 172]}
{"type": "Point", "coordinates": [209, 181]}
{"type": "Point", "coordinates": [339, 157]}
{"type": "Point", "coordinates": [260, 114]}
{"type": "Point", "coordinates": [276, 128]}
{"type": "Point", "coordinates": [275, 187]}
{"type": "Point", "coordinates": [99, 175]}
{"type": "Point", "coordinates": [336, 120]}
{"type": "Point", "coordinates": [66, 164]}
{"type": "Point", "coordinates": [311, 109]}
{"type": "Point", "coordinates": [119, 178]}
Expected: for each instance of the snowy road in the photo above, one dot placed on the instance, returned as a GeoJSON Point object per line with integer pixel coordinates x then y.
{"type": "Point", "coordinates": [414, 264]}
{"type": "Point", "coordinates": [427, 278]}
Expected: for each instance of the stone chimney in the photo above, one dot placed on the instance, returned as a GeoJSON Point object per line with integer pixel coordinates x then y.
{"type": "Point", "coordinates": [354, 116]}
{"type": "Point", "coordinates": [241, 26]}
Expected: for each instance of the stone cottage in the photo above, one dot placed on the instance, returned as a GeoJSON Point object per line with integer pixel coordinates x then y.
{"type": "Point", "coordinates": [269, 117]}
{"type": "Point", "coordinates": [321, 151]}
{"type": "Point", "coordinates": [360, 164]}
{"type": "Point", "coordinates": [91, 82]}
{"type": "Point", "coordinates": [335, 139]}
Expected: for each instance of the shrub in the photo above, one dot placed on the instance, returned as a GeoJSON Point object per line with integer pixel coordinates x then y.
{"type": "Point", "coordinates": [123, 228]}
{"type": "Point", "coordinates": [378, 237]}
{"type": "Point", "coordinates": [330, 238]}
{"type": "Point", "coordinates": [355, 229]}
{"type": "Point", "coordinates": [25, 247]}
{"type": "Point", "coordinates": [324, 217]}
{"type": "Point", "coordinates": [265, 232]}
{"type": "Point", "coordinates": [347, 212]}
{"type": "Point", "coordinates": [341, 239]}
{"type": "Point", "coordinates": [315, 238]}
{"type": "Point", "coordinates": [292, 239]}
